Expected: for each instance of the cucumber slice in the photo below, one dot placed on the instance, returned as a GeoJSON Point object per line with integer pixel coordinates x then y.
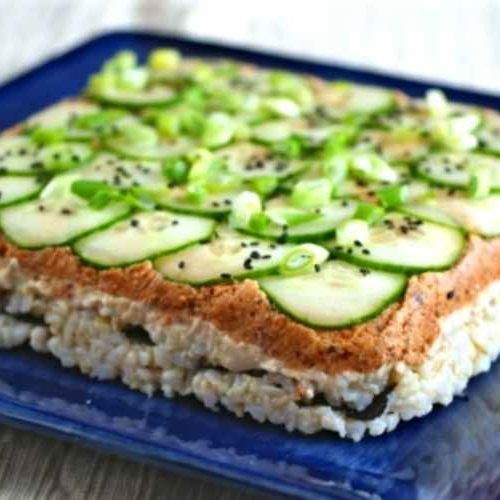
{"type": "Point", "coordinates": [158, 152]}
{"type": "Point", "coordinates": [280, 130]}
{"type": "Point", "coordinates": [453, 169]}
{"type": "Point", "coordinates": [155, 96]}
{"type": "Point", "coordinates": [339, 295]}
{"type": "Point", "coordinates": [430, 213]}
{"type": "Point", "coordinates": [19, 155]}
{"type": "Point", "coordinates": [213, 205]}
{"type": "Point", "coordinates": [122, 173]}
{"type": "Point", "coordinates": [55, 220]}
{"type": "Point", "coordinates": [252, 160]}
{"type": "Point", "coordinates": [489, 133]}
{"type": "Point", "coordinates": [403, 243]}
{"type": "Point", "coordinates": [319, 228]}
{"type": "Point", "coordinates": [142, 236]}
{"type": "Point", "coordinates": [481, 216]}
{"type": "Point", "coordinates": [61, 114]}
{"type": "Point", "coordinates": [227, 256]}
{"type": "Point", "coordinates": [17, 189]}
{"type": "Point", "coordinates": [341, 98]}
{"type": "Point", "coordinates": [395, 146]}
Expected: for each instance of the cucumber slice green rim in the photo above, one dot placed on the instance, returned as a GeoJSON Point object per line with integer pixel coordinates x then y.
{"type": "Point", "coordinates": [140, 237]}
{"type": "Point", "coordinates": [430, 213]}
{"type": "Point", "coordinates": [156, 96]}
{"type": "Point", "coordinates": [452, 169]}
{"type": "Point", "coordinates": [16, 189]}
{"type": "Point", "coordinates": [155, 153]}
{"type": "Point", "coordinates": [481, 216]}
{"type": "Point", "coordinates": [401, 243]}
{"type": "Point", "coordinates": [340, 295]}
{"type": "Point", "coordinates": [222, 259]}
{"type": "Point", "coordinates": [20, 156]}
{"type": "Point", "coordinates": [215, 205]}
{"type": "Point", "coordinates": [29, 226]}
{"type": "Point", "coordinates": [249, 160]}
{"type": "Point", "coordinates": [320, 228]}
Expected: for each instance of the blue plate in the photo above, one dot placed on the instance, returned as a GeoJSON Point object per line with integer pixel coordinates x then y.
{"type": "Point", "coordinates": [453, 453]}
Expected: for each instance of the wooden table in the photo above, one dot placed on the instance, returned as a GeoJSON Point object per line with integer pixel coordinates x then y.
{"type": "Point", "coordinates": [450, 40]}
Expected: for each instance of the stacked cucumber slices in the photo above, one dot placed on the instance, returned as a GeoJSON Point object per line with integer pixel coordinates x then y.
{"type": "Point", "coordinates": [329, 195]}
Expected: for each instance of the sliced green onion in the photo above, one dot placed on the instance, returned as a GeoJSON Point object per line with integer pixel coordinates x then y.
{"type": "Point", "coordinates": [264, 185]}
{"type": "Point", "coordinates": [352, 230]}
{"type": "Point", "coordinates": [290, 148]}
{"type": "Point", "coordinates": [437, 103]}
{"type": "Point", "coordinates": [393, 196]}
{"type": "Point", "coordinates": [311, 193]}
{"type": "Point", "coordinates": [340, 139]}
{"type": "Point", "coordinates": [196, 193]}
{"type": "Point", "coordinates": [133, 79]}
{"type": "Point", "coordinates": [369, 212]}
{"type": "Point", "coordinates": [101, 83]}
{"type": "Point", "coordinates": [100, 121]}
{"type": "Point", "coordinates": [164, 59]}
{"type": "Point", "coordinates": [281, 106]}
{"type": "Point", "coordinates": [480, 182]}
{"type": "Point", "coordinates": [259, 221]}
{"type": "Point", "coordinates": [123, 60]}
{"type": "Point", "coordinates": [245, 205]}
{"type": "Point", "coordinates": [48, 135]}
{"type": "Point", "coordinates": [218, 130]}
{"type": "Point", "coordinates": [176, 170]}
{"type": "Point", "coordinates": [303, 259]}
{"type": "Point", "coordinates": [168, 125]}
{"type": "Point", "coordinates": [291, 216]}
{"type": "Point", "coordinates": [372, 167]}
{"type": "Point", "coordinates": [456, 133]}
{"type": "Point", "coordinates": [336, 168]}
{"type": "Point", "coordinates": [201, 160]}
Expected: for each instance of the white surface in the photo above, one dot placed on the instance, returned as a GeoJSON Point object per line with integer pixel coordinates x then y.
{"type": "Point", "coordinates": [451, 40]}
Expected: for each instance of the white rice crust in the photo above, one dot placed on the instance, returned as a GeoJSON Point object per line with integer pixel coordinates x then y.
{"type": "Point", "coordinates": [88, 330]}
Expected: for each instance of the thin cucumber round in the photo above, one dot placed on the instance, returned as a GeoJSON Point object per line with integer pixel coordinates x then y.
{"type": "Point", "coordinates": [339, 295]}
{"type": "Point", "coordinates": [454, 169]}
{"type": "Point", "coordinates": [155, 96]}
{"type": "Point", "coordinates": [15, 189]}
{"type": "Point", "coordinates": [406, 244]}
{"type": "Point", "coordinates": [55, 221]}
{"type": "Point", "coordinates": [249, 160]}
{"type": "Point", "coordinates": [142, 236]}
{"type": "Point", "coordinates": [481, 216]}
{"type": "Point", "coordinates": [226, 257]}
{"type": "Point", "coordinates": [321, 227]}
{"type": "Point", "coordinates": [20, 156]}
{"type": "Point", "coordinates": [212, 205]}
{"type": "Point", "coordinates": [62, 114]}
{"type": "Point", "coordinates": [122, 173]}
{"type": "Point", "coordinates": [159, 152]}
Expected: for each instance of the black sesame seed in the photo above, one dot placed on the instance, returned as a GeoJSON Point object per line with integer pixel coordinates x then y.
{"type": "Point", "coordinates": [317, 268]}
{"type": "Point", "coordinates": [366, 251]}
{"type": "Point", "coordinates": [181, 264]}
{"type": "Point", "coordinates": [255, 255]}
{"type": "Point", "coordinates": [248, 264]}
{"type": "Point", "coordinates": [254, 243]}
{"type": "Point", "coordinates": [358, 243]}
{"type": "Point", "coordinates": [41, 208]}
{"type": "Point", "coordinates": [66, 211]}
{"type": "Point", "coordinates": [364, 272]}
{"type": "Point", "coordinates": [243, 244]}
{"type": "Point", "coordinates": [134, 223]}
{"type": "Point", "coordinates": [225, 276]}
{"type": "Point", "coordinates": [175, 222]}
{"type": "Point", "coordinates": [450, 294]}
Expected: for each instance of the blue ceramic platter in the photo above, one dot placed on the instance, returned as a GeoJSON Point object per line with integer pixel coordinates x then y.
{"type": "Point", "coordinates": [453, 453]}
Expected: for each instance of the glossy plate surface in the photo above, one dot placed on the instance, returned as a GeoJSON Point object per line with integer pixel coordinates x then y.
{"type": "Point", "coordinates": [453, 453]}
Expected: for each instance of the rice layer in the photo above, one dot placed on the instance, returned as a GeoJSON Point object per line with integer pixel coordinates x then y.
{"type": "Point", "coordinates": [112, 337]}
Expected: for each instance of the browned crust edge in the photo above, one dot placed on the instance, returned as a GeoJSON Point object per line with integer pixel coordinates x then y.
{"type": "Point", "coordinates": [403, 332]}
